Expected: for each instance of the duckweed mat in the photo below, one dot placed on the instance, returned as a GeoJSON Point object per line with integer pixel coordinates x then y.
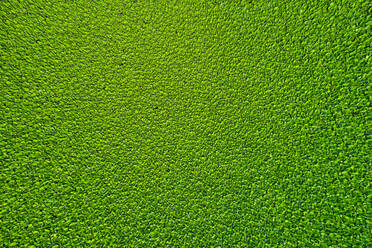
{"type": "Point", "coordinates": [185, 123]}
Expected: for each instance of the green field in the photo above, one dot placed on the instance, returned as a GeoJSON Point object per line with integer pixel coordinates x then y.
{"type": "Point", "coordinates": [185, 123]}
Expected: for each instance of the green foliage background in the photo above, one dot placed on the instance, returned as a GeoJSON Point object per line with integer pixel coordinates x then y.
{"type": "Point", "coordinates": [185, 123]}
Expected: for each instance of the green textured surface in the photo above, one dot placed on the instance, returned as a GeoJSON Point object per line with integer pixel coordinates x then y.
{"type": "Point", "coordinates": [185, 123]}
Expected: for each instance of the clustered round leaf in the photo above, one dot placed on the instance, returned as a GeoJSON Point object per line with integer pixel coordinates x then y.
{"type": "Point", "coordinates": [193, 123]}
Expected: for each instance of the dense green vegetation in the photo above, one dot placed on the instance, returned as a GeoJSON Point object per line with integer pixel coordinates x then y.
{"type": "Point", "coordinates": [187, 123]}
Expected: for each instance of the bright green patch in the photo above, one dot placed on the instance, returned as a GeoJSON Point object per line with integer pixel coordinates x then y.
{"type": "Point", "coordinates": [185, 123]}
